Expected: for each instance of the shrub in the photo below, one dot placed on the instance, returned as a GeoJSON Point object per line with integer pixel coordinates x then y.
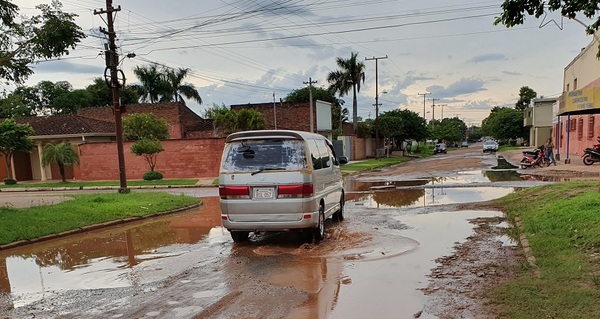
{"type": "Point", "coordinates": [10, 181]}
{"type": "Point", "coordinates": [153, 176]}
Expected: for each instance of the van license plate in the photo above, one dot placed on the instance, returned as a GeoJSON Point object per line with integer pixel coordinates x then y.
{"type": "Point", "coordinates": [263, 193]}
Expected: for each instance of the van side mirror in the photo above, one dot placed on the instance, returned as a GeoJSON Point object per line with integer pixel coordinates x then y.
{"type": "Point", "coordinates": [343, 160]}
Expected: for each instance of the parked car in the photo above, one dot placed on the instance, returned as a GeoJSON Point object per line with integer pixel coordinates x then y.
{"type": "Point", "coordinates": [440, 148]}
{"type": "Point", "coordinates": [490, 146]}
{"type": "Point", "coordinates": [464, 144]}
{"type": "Point", "coordinates": [279, 180]}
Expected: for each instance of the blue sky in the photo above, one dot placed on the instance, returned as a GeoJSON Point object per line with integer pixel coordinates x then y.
{"type": "Point", "coordinates": [244, 51]}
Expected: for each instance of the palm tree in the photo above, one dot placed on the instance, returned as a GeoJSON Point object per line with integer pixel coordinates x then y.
{"type": "Point", "coordinates": [174, 80]}
{"type": "Point", "coordinates": [350, 75]}
{"type": "Point", "coordinates": [153, 85]}
{"type": "Point", "coordinates": [60, 154]}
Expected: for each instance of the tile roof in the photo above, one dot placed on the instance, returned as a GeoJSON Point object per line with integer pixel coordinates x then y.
{"type": "Point", "coordinates": [66, 125]}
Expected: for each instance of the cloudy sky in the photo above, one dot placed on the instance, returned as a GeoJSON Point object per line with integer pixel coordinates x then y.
{"type": "Point", "coordinates": [244, 51]}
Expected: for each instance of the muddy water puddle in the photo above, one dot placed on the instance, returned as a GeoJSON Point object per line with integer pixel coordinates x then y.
{"type": "Point", "coordinates": [108, 258]}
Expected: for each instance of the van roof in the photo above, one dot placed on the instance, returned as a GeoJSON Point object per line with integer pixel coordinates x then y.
{"type": "Point", "coordinates": [301, 135]}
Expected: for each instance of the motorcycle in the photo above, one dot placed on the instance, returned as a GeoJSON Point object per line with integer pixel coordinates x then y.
{"type": "Point", "coordinates": [534, 158]}
{"type": "Point", "coordinates": [591, 155]}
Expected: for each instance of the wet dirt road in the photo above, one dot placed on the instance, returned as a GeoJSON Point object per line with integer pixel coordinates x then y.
{"type": "Point", "coordinates": [377, 263]}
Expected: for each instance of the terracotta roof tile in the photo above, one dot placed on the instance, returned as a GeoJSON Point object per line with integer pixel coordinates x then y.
{"type": "Point", "coordinates": [66, 124]}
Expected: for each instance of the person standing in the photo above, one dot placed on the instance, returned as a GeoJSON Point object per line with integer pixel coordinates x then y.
{"type": "Point", "coordinates": [550, 151]}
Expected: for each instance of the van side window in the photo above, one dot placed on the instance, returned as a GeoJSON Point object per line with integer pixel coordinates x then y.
{"type": "Point", "coordinates": [325, 158]}
{"type": "Point", "coordinates": [314, 154]}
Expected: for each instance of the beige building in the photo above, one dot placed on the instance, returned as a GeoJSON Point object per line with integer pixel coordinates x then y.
{"type": "Point", "coordinates": [538, 118]}
{"type": "Point", "coordinates": [577, 124]}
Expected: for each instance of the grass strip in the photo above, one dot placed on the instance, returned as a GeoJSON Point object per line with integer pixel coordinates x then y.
{"type": "Point", "coordinates": [373, 163]}
{"type": "Point", "coordinates": [562, 223]}
{"type": "Point", "coordinates": [83, 210]}
{"type": "Point", "coordinates": [84, 184]}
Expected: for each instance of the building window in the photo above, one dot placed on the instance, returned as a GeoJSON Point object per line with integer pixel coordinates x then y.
{"type": "Point", "coordinates": [575, 84]}
{"type": "Point", "coordinates": [568, 87]}
{"type": "Point", "coordinates": [591, 127]}
{"type": "Point", "coordinates": [580, 128]}
{"type": "Point", "coordinates": [572, 125]}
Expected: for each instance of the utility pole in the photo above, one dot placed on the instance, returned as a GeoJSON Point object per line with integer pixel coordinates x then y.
{"type": "Point", "coordinates": [112, 63]}
{"type": "Point", "coordinates": [310, 83]}
{"type": "Point", "coordinates": [424, 94]}
{"type": "Point", "coordinates": [274, 111]}
{"type": "Point", "coordinates": [433, 111]}
{"type": "Point", "coordinates": [442, 105]}
{"type": "Point", "coordinates": [376, 97]}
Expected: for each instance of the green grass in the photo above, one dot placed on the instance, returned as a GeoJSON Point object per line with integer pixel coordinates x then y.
{"type": "Point", "coordinates": [84, 210]}
{"type": "Point", "coordinates": [562, 223]}
{"type": "Point", "coordinates": [373, 163]}
{"type": "Point", "coordinates": [84, 184]}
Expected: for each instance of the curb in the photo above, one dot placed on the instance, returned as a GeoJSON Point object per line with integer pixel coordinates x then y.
{"type": "Point", "coordinates": [87, 228]}
{"type": "Point", "coordinates": [42, 189]}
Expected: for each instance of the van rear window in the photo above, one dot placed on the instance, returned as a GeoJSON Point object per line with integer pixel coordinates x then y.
{"type": "Point", "coordinates": [251, 155]}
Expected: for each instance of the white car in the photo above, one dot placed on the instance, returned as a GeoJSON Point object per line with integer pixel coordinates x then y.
{"type": "Point", "coordinates": [490, 146]}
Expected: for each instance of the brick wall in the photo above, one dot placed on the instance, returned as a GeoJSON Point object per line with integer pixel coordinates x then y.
{"type": "Point", "coordinates": [290, 116]}
{"type": "Point", "coordinates": [577, 144]}
{"type": "Point", "coordinates": [180, 118]}
{"type": "Point", "coordinates": [187, 158]}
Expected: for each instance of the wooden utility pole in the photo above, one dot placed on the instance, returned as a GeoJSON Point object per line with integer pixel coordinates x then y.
{"type": "Point", "coordinates": [111, 71]}
{"type": "Point", "coordinates": [376, 97]}
{"type": "Point", "coordinates": [433, 111]}
{"type": "Point", "coordinates": [310, 83]}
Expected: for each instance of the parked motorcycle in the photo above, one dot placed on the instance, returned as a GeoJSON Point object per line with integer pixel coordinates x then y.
{"type": "Point", "coordinates": [591, 155]}
{"type": "Point", "coordinates": [534, 158]}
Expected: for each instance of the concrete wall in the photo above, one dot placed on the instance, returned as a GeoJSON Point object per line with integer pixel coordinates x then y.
{"type": "Point", "coordinates": [184, 158]}
{"type": "Point", "coordinates": [581, 136]}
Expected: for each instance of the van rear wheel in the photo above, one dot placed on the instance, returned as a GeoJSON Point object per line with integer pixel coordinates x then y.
{"type": "Point", "coordinates": [339, 215]}
{"type": "Point", "coordinates": [239, 236]}
{"type": "Point", "coordinates": [319, 233]}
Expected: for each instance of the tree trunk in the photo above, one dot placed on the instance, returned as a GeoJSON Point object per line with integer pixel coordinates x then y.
{"type": "Point", "coordinates": [8, 158]}
{"type": "Point", "coordinates": [61, 170]}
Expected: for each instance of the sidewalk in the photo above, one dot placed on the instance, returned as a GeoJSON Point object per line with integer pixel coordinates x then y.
{"type": "Point", "coordinates": [576, 165]}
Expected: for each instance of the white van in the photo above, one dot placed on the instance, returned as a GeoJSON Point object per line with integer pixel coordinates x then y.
{"type": "Point", "coordinates": [279, 180]}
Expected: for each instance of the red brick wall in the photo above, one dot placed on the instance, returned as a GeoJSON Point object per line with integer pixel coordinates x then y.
{"type": "Point", "coordinates": [188, 158]}
{"type": "Point", "coordinates": [290, 116]}
{"type": "Point", "coordinates": [179, 117]}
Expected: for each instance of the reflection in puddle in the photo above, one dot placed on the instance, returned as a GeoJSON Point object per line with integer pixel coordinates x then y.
{"type": "Point", "coordinates": [428, 197]}
{"type": "Point", "coordinates": [506, 241]}
{"type": "Point", "coordinates": [104, 258]}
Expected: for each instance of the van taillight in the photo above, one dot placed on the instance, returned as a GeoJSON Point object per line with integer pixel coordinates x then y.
{"type": "Point", "coordinates": [295, 191]}
{"type": "Point", "coordinates": [234, 192]}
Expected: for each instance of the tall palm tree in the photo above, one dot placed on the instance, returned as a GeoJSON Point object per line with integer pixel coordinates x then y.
{"type": "Point", "coordinates": [60, 154]}
{"type": "Point", "coordinates": [349, 76]}
{"type": "Point", "coordinates": [153, 85]}
{"type": "Point", "coordinates": [174, 79]}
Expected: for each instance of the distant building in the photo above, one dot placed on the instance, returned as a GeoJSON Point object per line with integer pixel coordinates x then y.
{"type": "Point", "coordinates": [538, 118]}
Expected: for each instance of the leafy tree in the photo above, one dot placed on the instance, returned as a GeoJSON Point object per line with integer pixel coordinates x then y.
{"type": "Point", "coordinates": [149, 150]}
{"type": "Point", "coordinates": [147, 126]}
{"type": "Point", "coordinates": [450, 129]}
{"type": "Point", "coordinates": [14, 137]}
{"type": "Point", "coordinates": [349, 76]}
{"type": "Point", "coordinates": [526, 94]}
{"type": "Point", "coordinates": [504, 123]}
{"type": "Point", "coordinates": [12, 106]}
{"type": "Point", "coordinates": [515, 11]}
{"type": "Point", "coordinates": [61, 154]}
{"type": "Point", "coordinates": [70, 102]}
{"type": "Point", "coordinates": [402, 125]}
{"type": "Point", "coordinates": [23, 41]}
{"type": "Point", "coordinates": [177, 89]}
{"type": "Point", "coordinates": [337, 113]}
{"type": "Point", "coordinates": [102, 94]}
{"type": "Point", "coordinates": [240, 120]}
{"type": "Point", "coordinates": [215, 111]}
